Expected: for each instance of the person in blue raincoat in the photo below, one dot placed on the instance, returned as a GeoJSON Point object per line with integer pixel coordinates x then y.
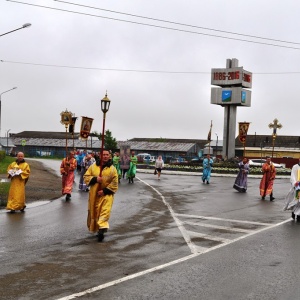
{"type": "Point", "coordinates": [207, 166]}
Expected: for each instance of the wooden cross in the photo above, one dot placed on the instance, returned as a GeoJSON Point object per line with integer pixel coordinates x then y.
{"type": "Point", "coordinates": [275, 125]}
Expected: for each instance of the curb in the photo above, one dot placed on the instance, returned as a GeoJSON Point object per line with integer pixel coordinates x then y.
{"type": "Point", "coordinates": [150, 171]}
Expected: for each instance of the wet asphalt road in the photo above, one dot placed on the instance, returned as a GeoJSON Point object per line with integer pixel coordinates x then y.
{"type": "Point", "coordinates": [170, 239]}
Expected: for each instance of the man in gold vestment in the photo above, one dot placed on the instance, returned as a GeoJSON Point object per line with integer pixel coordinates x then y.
{"type": "Point", "coordinates": [18, 172]}
{"type": "Point", "coordinates": [101, 196]}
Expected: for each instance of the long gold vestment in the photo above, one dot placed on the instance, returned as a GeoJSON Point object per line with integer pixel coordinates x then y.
{"type": "Point", "coordinates": [99, 208]}
{"type": "Point", "coordinates": [16, 195]}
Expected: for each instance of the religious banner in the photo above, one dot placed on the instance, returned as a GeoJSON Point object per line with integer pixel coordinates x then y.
{"type": "Point", "coordinates": [243, 130]}
{"type": "Point", "coordinates": [85, 128]}
{"type": "Point", "coordinates": [72, 125]}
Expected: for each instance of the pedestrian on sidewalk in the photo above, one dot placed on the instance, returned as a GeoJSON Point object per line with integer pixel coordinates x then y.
{"type": "Point", "coordinates": [18, 172]}
{"type": "Point", "coordinates": [267, 181]}
{"type": "Point", "coordinates": [159, 164]}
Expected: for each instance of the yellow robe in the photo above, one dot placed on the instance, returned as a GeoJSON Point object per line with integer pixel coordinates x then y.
{"type": "Point", "coordinates": [16, 195]}
{"type": "Point", "coordinates": [99, 208]}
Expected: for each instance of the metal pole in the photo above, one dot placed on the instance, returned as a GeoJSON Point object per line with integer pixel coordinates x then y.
{"type": "Point", "coordinates": [102, 143]}
{"type": "Point", "coordinates": [0, 107]}
{"type": "Point", "coordinates": [24, 26]}
{"type": "Point", "coordinates": [7, 141]}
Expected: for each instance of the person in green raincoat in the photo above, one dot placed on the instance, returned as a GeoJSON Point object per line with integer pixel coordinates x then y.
{"type": "Point", "coordinates": [116, 163]}
{"type": "Point", "coordinates": [132, 168]}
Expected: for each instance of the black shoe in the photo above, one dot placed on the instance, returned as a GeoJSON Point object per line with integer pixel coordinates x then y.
{"type": "Point", "coordinates": [262, 198]}
{"type": "Point", "coordinates": [23, 209]}
{"type": "Point", "coordinates": [203, 181]}
{"type": "Point", "coordinates": [131, 180]}
{"type": "Point", "coordinates": [12, 211]}
{"type": "Point", "coordinates": [293, 216]}
{"type": "Point", "coordinates": [298, 218]}
{"type": "Point", "coordinates": [68, 197]}
{"type": "Point", "coordinates": [207, 182]}
{"type": "Point", "coordinates": [272, 198]}
{"type": "Point", "coordinates": [101, 234]}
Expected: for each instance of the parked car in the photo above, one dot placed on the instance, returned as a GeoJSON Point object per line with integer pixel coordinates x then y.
{"type": "Point", "coordinates": [197, 160]}
{"type": "Point", "coordinates": [149, 159]}
{"type": "Point", "coordinates": [260, 162]}
{"type": "Point", "coordinates": [178, 160]}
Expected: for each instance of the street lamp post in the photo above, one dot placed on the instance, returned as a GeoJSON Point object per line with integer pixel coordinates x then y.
{"type": "Point", "coordinates": [7, 140]}
{"type": "Point", "coordinates": [24, 26]}
{"type": "Point", "coordinates": [105, 103]}
{"type": "Point", "coordinates": [0, 107]}
{"type": "Point", "coordinates": [217, 145]}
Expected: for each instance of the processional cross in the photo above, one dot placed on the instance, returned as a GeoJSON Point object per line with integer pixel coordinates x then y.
{"type": "Point", "coordinates": [275, 125]}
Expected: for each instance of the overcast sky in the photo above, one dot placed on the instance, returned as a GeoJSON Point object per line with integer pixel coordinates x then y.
{"type": "Point", "coordinates": [173, 101]}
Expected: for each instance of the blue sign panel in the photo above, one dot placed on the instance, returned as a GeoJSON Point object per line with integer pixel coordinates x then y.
{"type": "Point", "coordinates": [243, 97]}
{"type": "Point", "coordinates": [226, 96]}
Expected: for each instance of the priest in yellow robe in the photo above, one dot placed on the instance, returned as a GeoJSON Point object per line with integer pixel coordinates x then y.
{"type": "Point", "coordinates": [18, 171]}
{"type": "Point", "coordinates": [101, 196]}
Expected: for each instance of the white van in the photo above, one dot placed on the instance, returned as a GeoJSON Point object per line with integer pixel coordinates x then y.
{"type": "Point", "coordinates": [142, 156]}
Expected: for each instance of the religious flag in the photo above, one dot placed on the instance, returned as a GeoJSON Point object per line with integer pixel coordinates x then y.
{"type": "Point", "coordinates": [72, 125]}
{"type": "Point", "coordinates": [85, 128]}
{"type": "Point", "coordinates": [243, 130]}
{"type": "Point", "coordinates": [209, 133]}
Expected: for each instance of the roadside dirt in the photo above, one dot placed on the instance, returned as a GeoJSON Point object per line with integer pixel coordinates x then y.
{"type": "Point", "coordinates": [43, 184]}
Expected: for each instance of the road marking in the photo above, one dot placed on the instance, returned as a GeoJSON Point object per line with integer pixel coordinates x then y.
{"type": "Point", "coordinates": [196, 251]}
{"type": "Point", "coordinates": [221, 219]}
{"type": "Point", "coordinates": [208, 237]}
{"type": "Point", "coordinates": [217, 227]}
{"type": "Point", "coordinates": [174, 262]}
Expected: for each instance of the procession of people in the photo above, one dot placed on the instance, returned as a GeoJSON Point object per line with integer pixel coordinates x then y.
{"type": "Point", "coordinates": [101, 180]}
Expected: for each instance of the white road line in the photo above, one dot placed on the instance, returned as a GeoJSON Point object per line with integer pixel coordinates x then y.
{"type": "Point", "coordinates": [221, 219]}
{"type": "Point", "coordinates": [217, 227]}
{"type": "Point", "coordinates": [208, 237]}
{"type": "Point", "coordinates": [177, 221]}
{"type": "Point", "coordinates": [198, 251]}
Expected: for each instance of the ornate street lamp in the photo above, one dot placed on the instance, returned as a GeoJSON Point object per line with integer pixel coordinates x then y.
{"type": "Point", "coordinates": [66, 119]}
{"type": "Point", "coordinates": [105, 103]}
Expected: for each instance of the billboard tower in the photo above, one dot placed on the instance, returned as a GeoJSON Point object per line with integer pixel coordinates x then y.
{"type": "Point", "coordinates": [233, 83]}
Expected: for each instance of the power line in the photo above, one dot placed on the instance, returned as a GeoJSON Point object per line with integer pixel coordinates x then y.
{"type": "Point", "coordinates": [157, 26]}
{"type": "Point", "coordinates": [134, 70]}
{"type": "Point", "coordinates": [176, 23]}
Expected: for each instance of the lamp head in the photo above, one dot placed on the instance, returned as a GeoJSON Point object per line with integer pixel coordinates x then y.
{"type": "Point", "coordinates": [105, 103]}
{"type": "Point", "coordinates": [26, 25]}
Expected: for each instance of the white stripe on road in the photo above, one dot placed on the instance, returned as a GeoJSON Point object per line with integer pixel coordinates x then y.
{"type": "Point", "coordinates": [221, 219]}
{"type": "Point", "coordinates": [217, 227]}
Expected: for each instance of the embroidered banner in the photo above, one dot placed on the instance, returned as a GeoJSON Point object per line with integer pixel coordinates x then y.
{"type": "Point", "coordinates": [85, 128]}
{"type": "Point", "coordinates": [243, 130]}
